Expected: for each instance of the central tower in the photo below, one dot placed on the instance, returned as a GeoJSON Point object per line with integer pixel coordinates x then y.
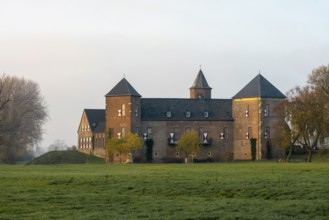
{"type": "Point", "coordinates": [200, 88]}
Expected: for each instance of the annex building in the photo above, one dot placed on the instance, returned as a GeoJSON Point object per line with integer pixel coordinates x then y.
{"type": "Point", "coordinates": [224, 126]}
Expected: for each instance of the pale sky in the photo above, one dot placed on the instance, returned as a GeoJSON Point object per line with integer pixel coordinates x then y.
{"type": "Point", "coordinates": [78, 50]}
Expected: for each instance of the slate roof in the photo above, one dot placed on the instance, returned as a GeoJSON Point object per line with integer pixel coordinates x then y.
{"type": "Point", "coordinates": [95, 117]}
{"type": "Point", "coordinates": [259, 87]}
{"type": "Point", "coordinates": [200, 82]}
{"type": "Point", "coordinates": [155, 109]}
{"type": "Point", "coordinates": [123, 88]}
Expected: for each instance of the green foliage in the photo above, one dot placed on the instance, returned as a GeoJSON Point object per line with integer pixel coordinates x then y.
{"type": "Point", "coordinates": [66, 157]}
{"type": "Point", "coordinates": [149, 150]}
{"type": "Point", "coordinates": [253, 148]}
{"type": "Point", "coordinates": [262, 190]}
{"type": "Point", "coordinates": [190, 143]}
{"type": "Point", "coordinates": [124, 145]}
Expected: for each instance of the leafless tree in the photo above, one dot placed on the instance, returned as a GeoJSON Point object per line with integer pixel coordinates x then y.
{"type": "Point", "coordinates": [22, 114]}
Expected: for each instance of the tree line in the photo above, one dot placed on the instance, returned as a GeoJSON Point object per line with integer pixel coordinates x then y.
{"type": "Point", "coordinates": [23, 112]}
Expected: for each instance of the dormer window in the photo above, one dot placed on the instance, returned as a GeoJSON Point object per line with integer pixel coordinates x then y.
{"type": "Point", "coordinates": [205, 114]}
{"type": "Point", "coordinates": [168, 114]}
{"type": "Point", "coordinates": [188, 114]}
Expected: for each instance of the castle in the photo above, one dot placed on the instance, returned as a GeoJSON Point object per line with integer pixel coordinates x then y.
{"type": "Point", "coordinates": [224, 126]}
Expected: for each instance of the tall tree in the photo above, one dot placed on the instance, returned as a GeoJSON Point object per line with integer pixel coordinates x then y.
{"type": "Point", "coordinates": [23, 112]}
{"type": "Point", "coordinates": [190, 143]}
{"type": "Point", "coordinates": [304, 113]}
{"type": "Point", "coordinates": [319, 79]}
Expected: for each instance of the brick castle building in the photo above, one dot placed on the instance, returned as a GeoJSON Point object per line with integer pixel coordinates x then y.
{"type": "Point", "coordinates": [224, 126]}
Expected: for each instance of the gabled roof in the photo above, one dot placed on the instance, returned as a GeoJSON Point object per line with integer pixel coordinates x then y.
{"type": "Point", "coordinates": [259, 87]}
{"type": "Point", "coordinates": [95, 117]}
{"type": "Point", "coordinates": [200, 82]}
{"type": "Point", "coordinates": [123, 88]}
{"type": "Point", "coordinates": [154, 109]}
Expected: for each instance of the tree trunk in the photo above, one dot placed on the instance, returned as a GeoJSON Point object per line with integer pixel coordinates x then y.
{"type": "Point", "coordinates": [310, 154]}
{"type": "Point", "coordinates": [289, 153]}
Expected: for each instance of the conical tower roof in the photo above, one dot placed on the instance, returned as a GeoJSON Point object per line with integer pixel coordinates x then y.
{"type": "Point", "coordinates": [259, 87]}
{"type": "Point", "coordinates": [123, 88]}
{"type": "Point", "coordinates": [200, 82]}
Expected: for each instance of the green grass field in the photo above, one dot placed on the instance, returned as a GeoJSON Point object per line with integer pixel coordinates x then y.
{"type": "Point", "coordinates": [240, 190]}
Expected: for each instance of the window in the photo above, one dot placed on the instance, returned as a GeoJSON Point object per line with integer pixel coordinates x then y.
{"type": "Point", "coordinates": [267, 133]}
{"type": "Point", "coordinates": [188, 114]}
{"type": "Point", "coordinates": [149, 132]}
{"type": "Point", "coordinates": [137, 110]}
{"type": "Point", "coordinates": [123, 131]}
{"type": "Point", "coordinates": [119, 112]}
{"type": "Point", "coordinates": [168, 114]}
{"type": "Point", "coordinates": [249, 133]}
{"type": "Point", "coordinates": [205, 114]}
{"type": "Point", "coordinates": [224, 135]}
{"type": "Point", "coordinates": [187, 129]}
{"type": "Point", "coordinates": [137, 130]}
{"type": "Point", "coordinates": [267, 110]}
{"type": "Point", "coordinates": [123, 109]}
{"type": "Point", "coordinates": [176, 135]}
{"type": "Point", "coordinates": [247, 111]}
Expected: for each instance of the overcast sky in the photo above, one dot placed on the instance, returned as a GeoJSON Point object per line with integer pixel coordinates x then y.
{"type": "Point", "coordinates": [78, 50]}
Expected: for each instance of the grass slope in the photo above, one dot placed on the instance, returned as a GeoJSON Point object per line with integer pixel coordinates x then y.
{"type": "Point", "coordinates": [66, 157]}
{"type": "Point", "coordinates": [260, 190]}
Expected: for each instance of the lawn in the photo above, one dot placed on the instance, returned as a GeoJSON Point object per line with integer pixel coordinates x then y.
{"type": "Point", "coordinates": [239, 190]}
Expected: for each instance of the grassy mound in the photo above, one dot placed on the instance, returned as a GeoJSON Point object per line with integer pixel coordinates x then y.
{"type": "Point", "coordinates": [66, 157]}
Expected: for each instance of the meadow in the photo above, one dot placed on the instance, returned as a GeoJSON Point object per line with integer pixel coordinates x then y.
{"type": "Point", "coordinates": [239, 190]}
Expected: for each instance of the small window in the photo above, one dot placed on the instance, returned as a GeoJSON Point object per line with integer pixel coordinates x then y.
{"type": "Point", "coordinates": [123, 131]}
{"type": "Point", "coordinates": [187, 129]}
{"type": "Point", "coordinates": [206, 114]}
{"type": "Point", "coordinates": [247, 111]}
{"type": "Point", "coordinates": [267, 133]}
{"type": "Point", "coordinates": [267, 110]}
{"type": "Point", "coordinates": [156, 154]}
{"type": "Point", "coordinates": [249, 133]}
{"type": "Point", "coordinates": [168, 114]}
{"type": "Point", "coordinates": [188, 114]}
{"type": "Point", "coordinates": [149, 132]}
{"type": "Point", "coordinates": [123, 109]}
{"type": "Point", "coordinates": [225, 133]}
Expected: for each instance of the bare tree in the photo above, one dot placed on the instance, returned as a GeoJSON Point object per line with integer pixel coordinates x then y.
{"type": "Point", "coordinates": [22, 114]}
{"type": "Point", "coordinates": [58, 145]}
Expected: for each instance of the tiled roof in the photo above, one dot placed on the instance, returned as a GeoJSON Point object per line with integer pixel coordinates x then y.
{"type": "Point", "coordinates": [95, 117]}
{"type": "Point", "coordinates": [200, 82]}
{"type": "Point", "coordinates": [259, 87]}
{"type": "Point", "coordinates": [123, 88]}
{"type": "Point", "coordinates": [199, 109]}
